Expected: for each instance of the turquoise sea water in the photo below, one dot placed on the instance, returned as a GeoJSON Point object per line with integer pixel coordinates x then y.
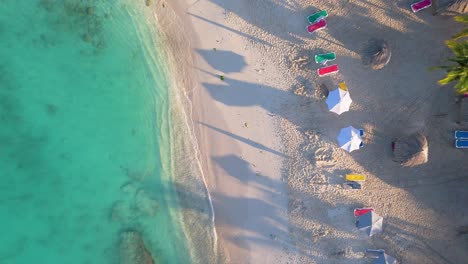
{"type": "Point", "coordinates": [84, 134]}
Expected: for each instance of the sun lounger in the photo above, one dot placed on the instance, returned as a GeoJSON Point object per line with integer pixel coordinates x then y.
{"type": "Point", "coordinates": [461, 134]}
{"type": "Point", "coordinates": [352, 185]}
{"type": "Point", "coordinates": [317, 16]}
{"type": "Point", "coordinates": [421, 5]}
{"type": "Point", "coordinates": [355, 177]}
{"type": "Point", "coordinates": [327, 70]}
{"type": "Point", "coordinates": [324, 58]}
{"type": "Point", "coordinates": [361, 133]}
{"type": "Point", "coordinates": [362, 211]}
{"type": "Point", "coordinates": [461, 143]}
{"type": "Point", "coordinates": [317, 25]}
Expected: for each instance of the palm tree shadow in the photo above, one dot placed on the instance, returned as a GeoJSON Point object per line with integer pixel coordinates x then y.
{"type": "Point", "coordinates": [245, 140]}
{"type": "Point", "coordinates": [218, 58]}
{"type": "Point", "coordinates": [287, 23]}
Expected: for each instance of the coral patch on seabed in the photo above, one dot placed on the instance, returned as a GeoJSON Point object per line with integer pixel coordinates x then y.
{"type": "Point", "coordinates": [133, 249]}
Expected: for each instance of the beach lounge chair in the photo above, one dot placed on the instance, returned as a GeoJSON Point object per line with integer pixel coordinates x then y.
{"type": "Point", "coordinates": [352, 185]}
{"type": "Point", "coordinates": [461, 143]}
{"type": "Point", "coordinates": [461, 134]}
{"type": "Point", "coordinates": [355, 177]}
{"type": "Point", "coordinates": [324, 58]}
{"type": "Point", "coordinates": [421, 5]}
{"type": "Point", "coordinates": [327, 70]}
{"type": "Point", "coordinates": [361, 211]}
{"type": "Point", "coordinates": [361, 133]}
{"type": "Point", "coordinates": [317, 25]}
{"type": "Point", "coordinates": [317, 16]}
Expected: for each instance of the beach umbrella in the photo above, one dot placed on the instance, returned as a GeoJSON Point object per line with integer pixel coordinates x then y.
{"type": "Point", "coordinates": [453, 7]}
{"type": "Point", "coordinates": [411, 150]}
{"type": "Point", "coordinates": [349, 138]}
{"type": "Point", "coordinates": [380, 257]}
{"type": "Point", "coordinates": [338, 101]}
{"type": "Point", "coordinates": [370, 222]}
{"type": "Point", "coordinates": [377, 54]}
{"type": "Point", "coordinates": [385, 259]}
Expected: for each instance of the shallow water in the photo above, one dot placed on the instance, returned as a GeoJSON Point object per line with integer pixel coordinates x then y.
{"type": "Point", "coordinates": [84, 134]}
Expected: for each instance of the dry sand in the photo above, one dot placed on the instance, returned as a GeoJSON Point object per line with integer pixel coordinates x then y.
{"type": "Point", "coordinates": [268, 143]}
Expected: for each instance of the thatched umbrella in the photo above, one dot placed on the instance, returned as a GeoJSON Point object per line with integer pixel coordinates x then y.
{"type": "Point", "coordinates": [376, 54]}
{"type": "Point", "coordinates": [450, 7]}
{"type": "Point", "coordinates": [411, 150]}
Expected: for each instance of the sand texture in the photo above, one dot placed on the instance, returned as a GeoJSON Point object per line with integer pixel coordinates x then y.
{"type": "Point", "coordinates": [268, 142]}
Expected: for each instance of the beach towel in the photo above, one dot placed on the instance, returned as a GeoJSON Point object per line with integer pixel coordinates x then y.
{"type": "Point", "coordinates": [317, 25]}
{"type": "Point", "coordinates": [361, 211]}
{"type": "Point", "coordinates": [421, 5]}
{"type": "Point", "coordinates": [461, 143]}
{"type": "Point", "coordinates": [317, 16]}
{"type": "Point", "coordinates": [352, 185]}
{"type": "Point", "coordinates": [324, 58]}
{"type": "Point", "coordinates": [355, 177]}
{"type": "Point", "coordinates": [461, 134]}
{"type": "Point", "coordinates": [327, 70]}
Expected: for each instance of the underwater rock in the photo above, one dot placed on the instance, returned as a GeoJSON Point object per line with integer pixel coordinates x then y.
{"type": "Point", "coordinates": [133, 249]}
{"type": "Point", "coordinates": [87, 37]}
{"type": "Point", "coordinates": [146, 205]}
{"type": "Point", "coordinates": [51, 109]}
{"type": "Point", "coordinates": [134, 175]}
{"type": "Point", "coordinates": [128, 187]}
{"type": "Point", "coordinates": [121, 212]}
{"type": "Point", "coordinates": [90, 10]}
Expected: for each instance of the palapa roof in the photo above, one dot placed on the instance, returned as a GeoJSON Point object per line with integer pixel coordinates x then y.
{"type": "Point", "coordinates": [411, 150]}
{"type": "Point", "coordinates": [453, 7]}
{"type": "Point", "coordinates": [376, 54]}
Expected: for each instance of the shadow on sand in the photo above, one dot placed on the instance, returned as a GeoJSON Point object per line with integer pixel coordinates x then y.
{"type": "Point", "coordinates": [440, 185]}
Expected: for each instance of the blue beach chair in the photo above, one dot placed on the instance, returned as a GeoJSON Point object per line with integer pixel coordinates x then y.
{"type": "Point", "coordinates": [361, 133]}
{"type": "Point", "coordinates": [461, 134]}
{"type": "Point", "coordinates": [461, 143]}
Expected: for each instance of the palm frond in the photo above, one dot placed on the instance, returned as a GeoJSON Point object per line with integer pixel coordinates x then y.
{"type": "Point", "coordinates": [451, 77]}
{"type": "Point", "coordinates": [462, 19]}
{"type": "Point", "coordinates": [458, 71]}
{"type": "Point", "coordinates": [462, 34]}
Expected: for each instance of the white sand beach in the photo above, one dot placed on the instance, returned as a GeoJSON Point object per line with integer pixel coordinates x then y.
{"type": "Point", "coordinates": [268, 142]}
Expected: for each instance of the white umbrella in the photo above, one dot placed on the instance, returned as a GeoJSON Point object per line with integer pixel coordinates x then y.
{"type": "Point", "coordinates": [349, 138]}
{"type": "Point", "coordinates": [381, 257]}
{"type": "Point", "coordinates": [370, 222]}
{"type": "Point", "coordinates": [338, 101]}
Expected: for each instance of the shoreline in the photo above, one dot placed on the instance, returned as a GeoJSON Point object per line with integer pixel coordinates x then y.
{"type": "Point", "coordinates": [244, 203]}
{"type": "Point", "coordinates": [190, 183]}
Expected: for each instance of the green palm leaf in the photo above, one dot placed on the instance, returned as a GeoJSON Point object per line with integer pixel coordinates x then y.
{"type": "Point", "coordinates": [462, 19]}
{"type": "Point", "coordinates": [458, 70]}
{"type": "Point", "coordinates": [460, 35]}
